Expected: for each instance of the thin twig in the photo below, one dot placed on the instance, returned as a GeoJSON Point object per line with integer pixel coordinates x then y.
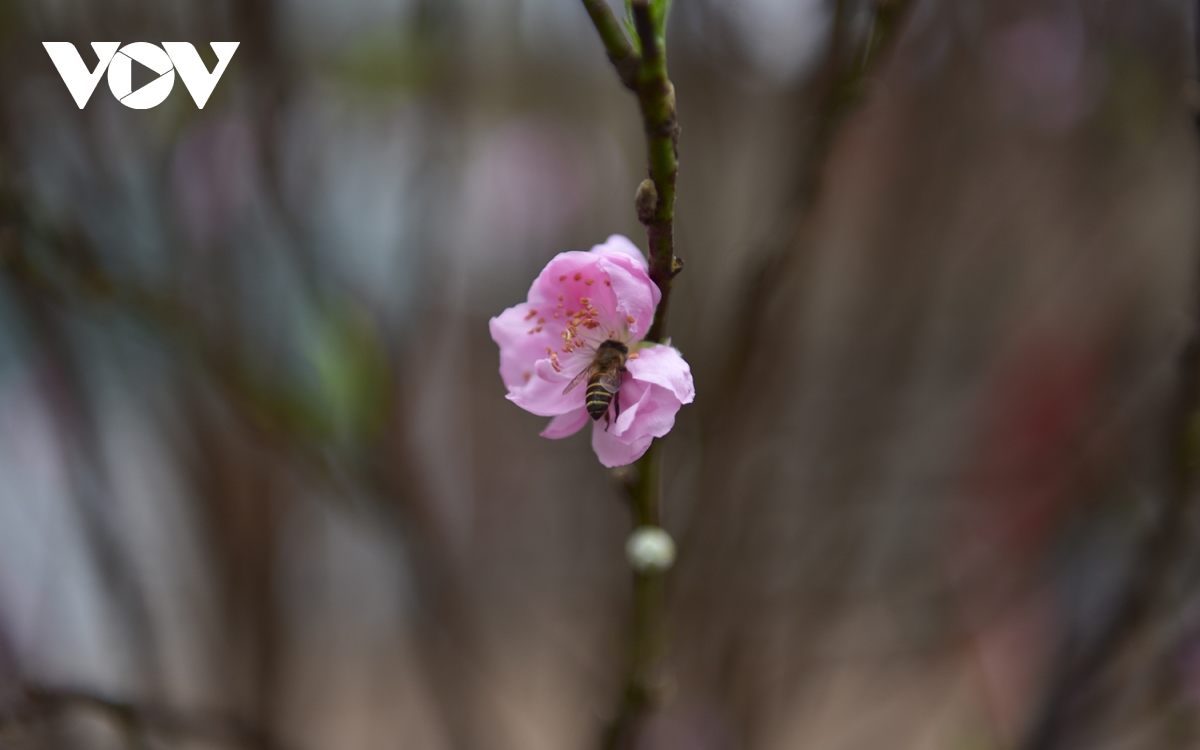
{"type": "Point", "coordinates": [620, 52]}
{"type": "Point", "coordinates": [841, 87]}
{"type": "Point", "coordinates": [140, 719]}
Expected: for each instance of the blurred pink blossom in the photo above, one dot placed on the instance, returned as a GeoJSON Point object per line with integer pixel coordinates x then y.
{"type": "Point", "coordinates": [580, 300]}
{"type": "Point", "coordinates": [526, 184]}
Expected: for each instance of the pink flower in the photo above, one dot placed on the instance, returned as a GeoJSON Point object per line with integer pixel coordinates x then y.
{"type": "Point", "coordinates": [579, 301]}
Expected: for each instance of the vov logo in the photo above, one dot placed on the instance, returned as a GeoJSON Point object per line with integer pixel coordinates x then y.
{"type": "Point", "coordinates": [179, 56]}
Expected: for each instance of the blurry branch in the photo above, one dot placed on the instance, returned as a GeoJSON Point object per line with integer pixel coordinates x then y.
{"type": "Point", "coordinates": [70, 277]}
{"type": "Point", "coordinates": [78, 444]}
{"type": "Point", "coordinates": [645, 74]}
{"type": "Point", "coordinates": [846, 73]}
{"type": "Point", "coordinates": [1082, 662]}
{"type": "Point", "coordinates": [387, 474]}
{"type": "Point", "coordinates": [59, 269]}
{"type": "Point", "coordinates": [387, 470]}
{"type": "Point", "coordinates": [138, 720]}
{"type": "Point", "coordinates": [842, 86]}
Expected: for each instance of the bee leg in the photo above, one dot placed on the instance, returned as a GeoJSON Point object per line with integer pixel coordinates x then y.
{"type": "Point", "coordinates": [607, 422]}
{"type": "Point", "coordinates": [616, 405]}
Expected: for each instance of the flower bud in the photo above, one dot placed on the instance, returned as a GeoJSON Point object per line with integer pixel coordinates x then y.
{"type": "Point", "coordinates": [650, 550]}
{"type": "Point", "coordinates": [646, 201]}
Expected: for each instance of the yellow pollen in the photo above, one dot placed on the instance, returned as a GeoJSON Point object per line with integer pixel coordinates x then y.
{"type": "Point", "coordinates": [585, 301]}
{"type": "Point", "coordinates": [578, 276]}
{"type": "Point", "coordinates": [553, 355]}
{"type": "Point", "coordinates": [538, 329]}
{"type": "Point", "coordinates": [629, 318]}
{"type": "Point", "coordinates": [531, 314]}
{"type": "Point", "coordinates": [632, 356]}
{"type": "Point", "coordinates": [560, 299]}
{"type": "Point", "coordinates": [541, 321]}
{"type": "Point", "coordinates": [589, 282]}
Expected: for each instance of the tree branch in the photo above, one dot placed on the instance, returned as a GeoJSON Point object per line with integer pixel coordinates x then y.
{"type": "Point", "coordinates": [646, 76]}
{"type": "Point", "coordinates": [656, 97]}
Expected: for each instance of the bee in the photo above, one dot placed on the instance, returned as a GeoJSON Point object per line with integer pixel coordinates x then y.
{"type": "Point", "coordinates": [603, 377]}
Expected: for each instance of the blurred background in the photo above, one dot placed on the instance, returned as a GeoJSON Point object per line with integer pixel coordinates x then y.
{"type": "Point", "coordinates": [260, 487]}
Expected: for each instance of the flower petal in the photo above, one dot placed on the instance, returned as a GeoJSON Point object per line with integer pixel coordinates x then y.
{"type": "Point", "coordinates": [620, 245]}
{"type": "Point", "coordinates": [564, 285]}
{"type": "Point", "coordinates": [635, 400]}
{"type": "Point", "coordinates": [636, 296]}
{"type": "Point", "coordinates": [519, 349]}
{"type": "Point", "coordinates": [612, 451]}
{"type": "Point", "coordinates": [543, 394]}
{"type": "Point", "coordinates": [664, 366]}
{"type": "Point", "coordinates": [651, 395]}
{"type": "Point", "coordinates": [565, 425]}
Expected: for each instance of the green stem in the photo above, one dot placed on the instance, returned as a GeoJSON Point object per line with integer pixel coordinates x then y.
{"type": "Point", "coordinates": [645, 490]}
{"type": "Point", "coordinates": [649, 638]}
{"type": "Point", "coordinates": [656, 98]}
{"type": "Point", "coordinates": [644, 678]}
{"type": "Point", "coordinates": [646, 76]}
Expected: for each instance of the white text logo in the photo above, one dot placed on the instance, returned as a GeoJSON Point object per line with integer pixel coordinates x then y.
{"type": "Point", "coordinates": [118, 61]}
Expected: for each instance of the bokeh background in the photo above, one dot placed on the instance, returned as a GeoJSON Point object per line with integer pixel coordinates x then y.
{"type": "Point", "coordinates": [260, 487]}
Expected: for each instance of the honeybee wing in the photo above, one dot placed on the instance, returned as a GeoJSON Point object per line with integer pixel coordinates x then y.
{"type": "Point", "coordinates": [610, 379]}
{"type": "Point", "coordinates": [578, 379]}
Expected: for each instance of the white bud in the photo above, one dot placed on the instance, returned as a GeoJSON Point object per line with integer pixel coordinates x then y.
{"type": "Point", "coordinates": [650, 550]}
